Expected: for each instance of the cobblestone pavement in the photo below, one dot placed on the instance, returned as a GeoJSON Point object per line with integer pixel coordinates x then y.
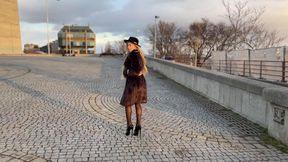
{"type": "Point", "coordinates": [67, 109]}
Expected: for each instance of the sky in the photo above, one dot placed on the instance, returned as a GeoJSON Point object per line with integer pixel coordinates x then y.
{"type": "Point", "coordinates": [114, 20]}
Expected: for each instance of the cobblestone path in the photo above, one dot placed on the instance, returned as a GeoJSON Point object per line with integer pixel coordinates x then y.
{"type": "Point", "coordinates": [67, 109]}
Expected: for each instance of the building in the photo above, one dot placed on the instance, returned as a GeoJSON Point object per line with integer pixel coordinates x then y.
{"type": "Point", "coordinates": [77, 40]}
{"type": "Point", "coordinates": [31, 48]}
{"type": "Point", "coordinates": [10, 40]}
{"type": "Point", "coordinates": [54, 47]}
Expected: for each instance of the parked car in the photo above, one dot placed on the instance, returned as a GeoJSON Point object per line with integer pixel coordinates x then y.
{"type": "Point", "coordinates": [170, 58]}
{"type": "Point", "coordinates": [68, 54]}
{"type": "Point", "coordinates": [39, 52]}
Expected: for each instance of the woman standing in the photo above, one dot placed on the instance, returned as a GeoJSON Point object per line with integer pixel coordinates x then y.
{"type": "Point", "coordinates": [135, 91]}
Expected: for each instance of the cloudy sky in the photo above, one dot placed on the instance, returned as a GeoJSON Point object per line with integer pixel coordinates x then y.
{"type": "Point", "coordinates": [118, 19]}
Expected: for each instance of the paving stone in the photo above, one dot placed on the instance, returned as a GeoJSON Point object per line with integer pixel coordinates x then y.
{"type": "Point", "coordinates": [4, 158]}
{"type": "Point", "coordinates": [28, 157]}
{"type": "Point", "coordinates": [16, 160]}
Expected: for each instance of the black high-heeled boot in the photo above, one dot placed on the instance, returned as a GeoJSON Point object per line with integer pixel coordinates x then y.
{"type": "Point", "coordinates": [137, 130]}
{"type": "Point", "coordinates": [129, 128]}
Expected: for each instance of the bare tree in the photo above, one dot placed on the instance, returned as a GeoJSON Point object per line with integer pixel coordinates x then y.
{"type": "Point", "coordinates": [108, 48]}
{"type": "Point", "coordinates": [119, 47]}
{"type": "Point", "coordinates": [204, 37]}
{"type": "Point", "coordinates": [167, 38]}
{"type": "Point", "coordinates": [248, 30]}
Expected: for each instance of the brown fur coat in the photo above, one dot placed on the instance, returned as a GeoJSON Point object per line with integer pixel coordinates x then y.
{"type": "Point", "coordinates": [135, 89]}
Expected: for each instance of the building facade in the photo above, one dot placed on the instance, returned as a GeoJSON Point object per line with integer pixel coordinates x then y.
{"type": "Point", "coordinates": [77, 40]}
{"type": "Point", "coordinates": [31, 48]}
{"type": "Point", "coordinates": [10, 39]}
{"type": "Point", "coordinates": [54, 47]}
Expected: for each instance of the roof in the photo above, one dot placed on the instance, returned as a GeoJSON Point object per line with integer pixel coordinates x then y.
{"type": "Point", "coordinates": [77, 28]}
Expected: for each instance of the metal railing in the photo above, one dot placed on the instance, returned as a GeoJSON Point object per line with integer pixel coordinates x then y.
{"type": "Point", "coordinates": [266, 70]}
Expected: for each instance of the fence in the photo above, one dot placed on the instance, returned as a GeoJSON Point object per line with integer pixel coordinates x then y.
{"type": "Point", "coordinates": [267, 70]}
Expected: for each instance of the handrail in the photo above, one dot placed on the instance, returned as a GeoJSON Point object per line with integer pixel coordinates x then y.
{"type": "Point", "coordinates": [262, 69]}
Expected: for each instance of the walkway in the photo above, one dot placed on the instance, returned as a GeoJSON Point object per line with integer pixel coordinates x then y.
{"type": "Point", "coordinates": [67, 109]}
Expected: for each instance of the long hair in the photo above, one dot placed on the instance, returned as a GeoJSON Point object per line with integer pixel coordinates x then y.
{"type": "Point", "coordinates": [144, 70]}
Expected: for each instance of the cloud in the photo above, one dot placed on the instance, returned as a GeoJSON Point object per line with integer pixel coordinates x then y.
{"type": "Point", "coordinates": [114, 15]}
{"type": "Point", "coordinates": [60, 11]}
{"type": "Point", "coordinates": [122, 18]}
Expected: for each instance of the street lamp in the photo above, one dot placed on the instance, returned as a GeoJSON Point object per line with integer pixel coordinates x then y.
{"type": "Point", "coordinates": [47, 21]}
{"type": "Point", "coordinates": [155, 37]}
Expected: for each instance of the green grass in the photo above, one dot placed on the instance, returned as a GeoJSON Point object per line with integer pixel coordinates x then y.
{"type": "Point", "coordinates": [268, 140]}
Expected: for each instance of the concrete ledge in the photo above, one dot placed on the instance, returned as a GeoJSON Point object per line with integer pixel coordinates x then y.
{"type": "Point", "coordinates": [246, 84]}
{"type": "Point", "coordinates": [276, 96]}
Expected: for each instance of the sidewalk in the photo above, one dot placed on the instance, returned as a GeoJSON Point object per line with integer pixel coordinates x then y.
{"type": "Point", "coordinates": [67, 109]}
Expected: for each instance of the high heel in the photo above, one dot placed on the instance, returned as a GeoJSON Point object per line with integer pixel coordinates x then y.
{"type": "Point", "coordinates": [129, 128]}
{"type": "Point", "coordinates": [137, 130]}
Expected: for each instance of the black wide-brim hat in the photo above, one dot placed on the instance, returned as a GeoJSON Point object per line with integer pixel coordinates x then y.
{"type": "Point", "coordinates": [132, 40]}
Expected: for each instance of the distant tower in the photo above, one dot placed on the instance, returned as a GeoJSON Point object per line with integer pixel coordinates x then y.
{"type": "Point", "coordinates": [10, 39]}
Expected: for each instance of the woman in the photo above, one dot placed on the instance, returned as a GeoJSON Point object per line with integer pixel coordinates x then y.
{"type": "Point", "coordinates": [135, 91]}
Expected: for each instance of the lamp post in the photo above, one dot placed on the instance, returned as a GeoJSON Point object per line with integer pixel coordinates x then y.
{"type": "Point", "coordinates": [47, 22]}
{"type": "Point", "coordinates": [155, 37]}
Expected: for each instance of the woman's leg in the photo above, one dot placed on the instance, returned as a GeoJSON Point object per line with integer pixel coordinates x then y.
{"type": "Point", "coordinates": [138, 113]}
{"type": "Point", "coordinates": [128, 110]}
{"type": "Point", "coordinates": [138, 116]}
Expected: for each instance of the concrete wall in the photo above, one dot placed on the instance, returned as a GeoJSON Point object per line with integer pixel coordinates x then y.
{"type": "Point", "coordinates": [252, 99]}
{"type": "Point", "coordinates": [10, 40]}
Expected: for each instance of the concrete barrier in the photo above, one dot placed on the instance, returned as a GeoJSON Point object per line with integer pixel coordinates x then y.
{"type": "Point", "coordinates": [262, 103]}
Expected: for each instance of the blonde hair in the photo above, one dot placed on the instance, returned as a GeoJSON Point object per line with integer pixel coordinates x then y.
{"type": "Point", "coordinates": [144, 70]}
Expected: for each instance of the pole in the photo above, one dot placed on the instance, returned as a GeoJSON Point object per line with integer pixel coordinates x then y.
{"type": "Point", "coordinates": [284, 65]}
{"type": "Point", "coordinates": [226, 63]}
{"type": "Point", "coordinates": [244, 67]}
{"type": "Point", "coordinates": [155, 33]}
{"type": "Point", "coordinates": [261, 66]}
{"type": "Point", "coordinates": [86, 44]}
{"type": "Point", "coordinates": [47, 20]}
{"type": "Point", "coordinates": [249, 61]}
{"type": "Point", "coordinates": [195, 60]}
{"type": "Point", "coordinates": [155, 37]}
{"type": "Point", "coordinates": [69, 38]}
{"type": "Point", "coordinates": [230, 67]}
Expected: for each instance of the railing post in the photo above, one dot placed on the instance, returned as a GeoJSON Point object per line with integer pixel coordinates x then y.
{"type": "Point", "coordinates": [261, 69]}
{"type": "Point", "coordinates": [219, 65]}
{"type": "Point", "coordinates": [283, 71]}
{"type": "Point", "coordinates": [284, 65]}
{"type": "Point", "coordinates": [244, 64]}
{"type": "Point", "coordinates": [226, 63]}
{"type": "Point", "coordinates": [230, 66]}
{"type": "Point", "coordinates": [249, 56]}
